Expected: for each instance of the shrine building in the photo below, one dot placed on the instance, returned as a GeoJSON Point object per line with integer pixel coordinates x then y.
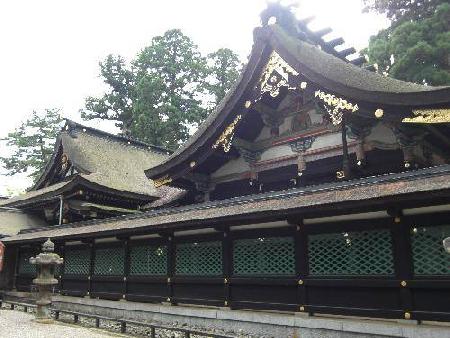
{"type": "Point", "coordinates": [316, 186]}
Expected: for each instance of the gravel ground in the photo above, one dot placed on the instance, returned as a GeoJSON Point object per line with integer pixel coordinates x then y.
{"type": "Point", "coordinates": [15, 324]}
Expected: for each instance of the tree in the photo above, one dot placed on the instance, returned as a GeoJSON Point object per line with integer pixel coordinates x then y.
{"type": "Point", "coordinates": [32, 143]}
{"type": "Point", "coordinates": [399, 11]}
{"type": "Point", "coordinates": [416, 51]}
{"type": "Point", "coordinates": [223, 69]}
{"type": "Point", "coordinates": [173, 69]}
{"type": "Point", "coordinates": [116, 104]}
{"type": "Point", "coordinates": [163, 93]}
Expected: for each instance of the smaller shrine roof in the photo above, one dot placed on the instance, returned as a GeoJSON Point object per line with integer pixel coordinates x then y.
{"type": "Point", "coordinates": [103, 162]}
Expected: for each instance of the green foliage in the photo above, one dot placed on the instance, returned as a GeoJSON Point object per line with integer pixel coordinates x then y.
{"type": "Point", "coordinates": [32, 143]}
{"type": "Point", "coordinates": [164, 92]}
{"type": "Point", "coordinates": [415, 51]}
{"type": "Point", "coordinates": [399, 11]}
{"type": "Point", "coordinates": [116, 104]}
{"type": "Point", "coordinates": [223, 70]}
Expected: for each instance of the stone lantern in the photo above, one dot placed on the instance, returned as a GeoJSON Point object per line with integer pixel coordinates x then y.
{"type": "Point", "coordinates": [446, 243]}
{"type": "Point", "coordinates": [46, 262]}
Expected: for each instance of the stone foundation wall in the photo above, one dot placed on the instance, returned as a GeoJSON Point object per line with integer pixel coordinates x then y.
{"type": "Point", "coordinates": [249, 323]}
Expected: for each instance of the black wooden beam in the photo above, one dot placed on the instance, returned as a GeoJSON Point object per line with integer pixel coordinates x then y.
{"type": "Point", "coordinates": [346, 52]}
{"type": "Point", "coordinates": [335, 42]}
{"type": "Point", "coordinates": [358, 61]}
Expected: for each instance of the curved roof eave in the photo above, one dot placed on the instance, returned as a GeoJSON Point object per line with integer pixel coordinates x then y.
{"type": "Point", "coordinates": [325, 70]}
{"type": "Point", "coordinates": [349, 80]}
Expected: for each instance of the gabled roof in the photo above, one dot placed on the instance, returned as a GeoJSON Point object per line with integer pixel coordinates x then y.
{"type": "Point", "coordinates": [322, 69]}
{"type": "Point", "coordinates": [103, 162]}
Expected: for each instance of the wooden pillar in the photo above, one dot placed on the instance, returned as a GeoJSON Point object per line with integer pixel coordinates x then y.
{"type": "Point", "coordinates": [126, 268]}
{"type": "Point", "coordinates": [171, 252]}
{"type": "Point", "coordinates": [91, 268]}
{"type": "Point", "coordinates": [301, 264]}
{"type": "Point", "coordinates": [402, 260]}
{"type": "Point", "coordinates": [62, 266]}
{"type": "Point", "coordinates": [16, 266]}
{"type": "Point", "coordinates": [227, 266]}
{"type": "Point", "coordinates": [345, 157]}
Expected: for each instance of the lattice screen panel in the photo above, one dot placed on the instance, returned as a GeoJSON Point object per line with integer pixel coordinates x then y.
{"type": "Point", "coordinates": [25, 267]}
{"type": "Point", "coordinates": [77, 261]}
{"type": "Point", "coordinates": [109, 261]}
{"type": "Point", "coordinates": [351, 253]}
{"type": "Point", "coordinates": [199, 259]}
{"type": "Point", "coordinates": [429, 256]}
{"type": "Point", "coordinates": [264, 256]}
{"type": "Point", "coordinates": [148, 260]}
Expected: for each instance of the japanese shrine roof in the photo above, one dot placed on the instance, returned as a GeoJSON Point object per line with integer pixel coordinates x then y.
{"type": "Point", "coordinates": [104, 162]}
{"type": "Point", "coordinates": [323, 69]}
{"type": "Point", "coordinates": [377, 192]}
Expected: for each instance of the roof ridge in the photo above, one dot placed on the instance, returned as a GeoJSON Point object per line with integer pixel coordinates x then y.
{"type": "Point", "coordinates": [70, 125]}
{"type": "Point", "coordinates": [286, 18]}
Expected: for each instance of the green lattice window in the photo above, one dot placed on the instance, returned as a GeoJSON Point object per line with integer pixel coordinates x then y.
{"type": "Point", "coordinates": [109, 261]}
{"type": "Point", "coordinates": [25, 267]}
{"type": "Point", "coordinates": [264, 256]}
{"type": "Point", "coordinates": [199, 259]}
{"type": "Point", "coordinates": [77, 261]}
{"type": "Point", "coordinates": [351, 253]}
{"type": "Point", "coordinates": [429, 256]}
{"type": "Point", "coordinates": [148, 260]}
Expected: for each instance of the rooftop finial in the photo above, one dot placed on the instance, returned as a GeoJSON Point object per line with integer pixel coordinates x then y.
{"type": "Point", "coordinates": [48, 246]}
{"type": "Point", "coordinates": [281, 14]}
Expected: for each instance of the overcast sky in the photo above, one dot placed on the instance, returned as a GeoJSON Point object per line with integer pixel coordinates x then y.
{"type": "Point", "coordinates": [50, 49]}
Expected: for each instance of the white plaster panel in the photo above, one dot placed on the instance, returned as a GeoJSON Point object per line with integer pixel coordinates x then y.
{"type": "Point", "coordinates": [277, 151]}
{"type": "Point", "coordinates": [231, 167]}
{"type": "Point", "coordinates": [285, 127]}
{"type": "Point", "coordinates": [327, 140]}
{"type": "Point", "coordinates": [315, 117]}
{"type": "Point", "coordinates": [264, 134]}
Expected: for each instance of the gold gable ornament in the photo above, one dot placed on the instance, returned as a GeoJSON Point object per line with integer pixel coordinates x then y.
{"type": "Point", "coordinates": [162, 181]}
{"type": "Point", "coordinates": [276, 75]}
{"type": "Point", "coordinates": [429, 116]}
{"type": "Point", "coordinates": [226, 138]}
{"type": "Point", "coordinates": [335, 106]}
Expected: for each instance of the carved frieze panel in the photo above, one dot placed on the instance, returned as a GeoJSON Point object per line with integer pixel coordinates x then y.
{"type": "Point", "coordinates": [303, 144]}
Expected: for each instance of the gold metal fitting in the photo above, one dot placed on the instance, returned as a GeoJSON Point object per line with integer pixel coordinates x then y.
{"type": "Point", "coordinates": [340, 174]}
{"type": "Point", "coordinates": [248, 103]}
{"type": "Point", "coordinates": [225, 281]}
{"type": "Point", "coordinates": [403, 283]}
{"type": "Point", "coordinates": [407, 315]}
{"type": "Point", "coordinates": [300, 282]}
{"type": "Point", "coordinates": [397, 219]}
{"type": "Point", "coordinates": [302, 308]}
{"type": "Point", "coordinates": [379, 113]}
